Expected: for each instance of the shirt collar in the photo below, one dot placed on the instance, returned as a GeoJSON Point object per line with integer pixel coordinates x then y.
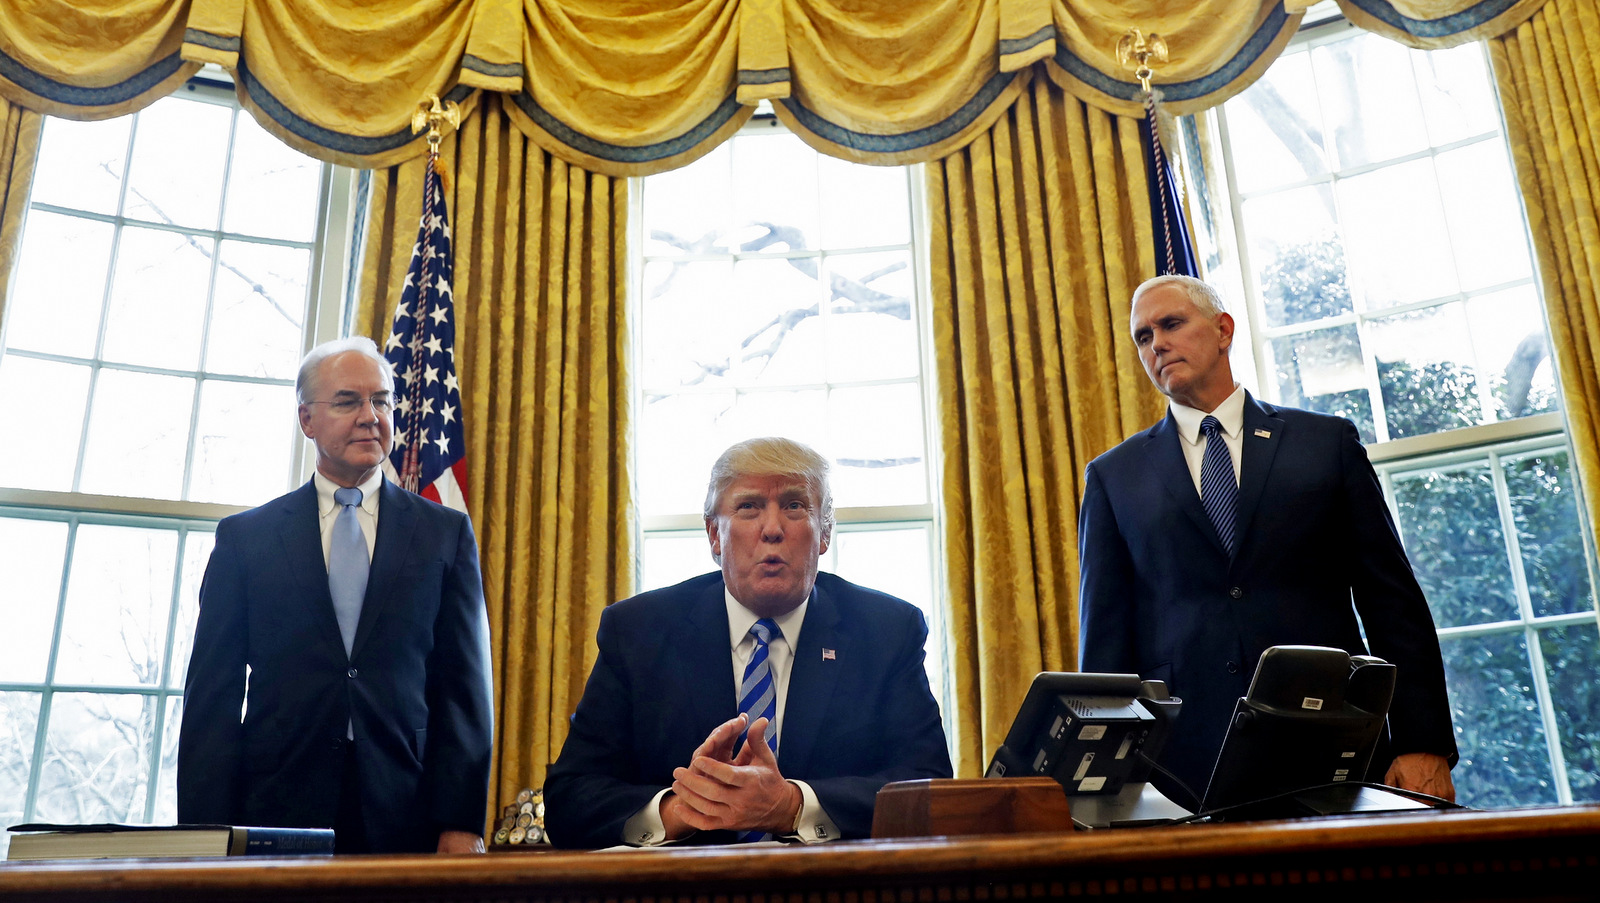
{"type": "Point", "coordinates": [1230, 414]}
{"type": "Point", "coordinates": [741, 619]}
{"type": "Point", "coordinates": [369, 493]}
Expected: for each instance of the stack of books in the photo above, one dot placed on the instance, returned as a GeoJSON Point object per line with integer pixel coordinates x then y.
{"type": "Point", "coordinates": [41, 841]}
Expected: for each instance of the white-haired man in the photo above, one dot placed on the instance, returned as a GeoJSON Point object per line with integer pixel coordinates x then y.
{"type": "Point", "coordinates": [763, 700]}
{"type": "Point", "coordinates": [367, 706]}
{"type": "Point", "coordinates": [1234, 525]}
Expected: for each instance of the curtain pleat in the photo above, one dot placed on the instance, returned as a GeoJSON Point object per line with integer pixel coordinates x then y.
{"type": "Point", "coordinates": [19, 149]}
{"type": "Point", "coordinates": [541, 331]}
{"type": "Point", "coordinates": [1040, 232]}
{"type": "Point", "coordinates": [1549, 81]}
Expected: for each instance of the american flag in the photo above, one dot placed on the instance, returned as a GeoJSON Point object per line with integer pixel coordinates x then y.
{"type": "Point", "coordinates": [429, 456]}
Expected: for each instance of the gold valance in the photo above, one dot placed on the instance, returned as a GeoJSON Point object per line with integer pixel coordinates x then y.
{"type": "Point", "coordinates": [628, 87]}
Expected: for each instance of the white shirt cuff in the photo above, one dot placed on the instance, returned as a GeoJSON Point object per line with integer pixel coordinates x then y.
{"type": "Point", "coordinates": [645, 828]}
{"type": "Point", "coordinates": [813, 825]}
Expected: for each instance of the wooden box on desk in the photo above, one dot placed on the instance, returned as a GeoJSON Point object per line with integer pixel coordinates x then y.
{"type": "Point", "coordinates": [960, 806]}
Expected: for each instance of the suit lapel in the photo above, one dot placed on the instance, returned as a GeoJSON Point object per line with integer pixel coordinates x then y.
{"type": "Point", "coordinates": [1166, 452]}
{"type": "Point", "coordinates": [301, 534]}
{"type": "Point", "coordinates": [811, 681]}
{"type": "Point", "coordinates": [397, 520]}
{"type": "Point", "coordinates": [703, 637]}
{"type": "Point", "coordinates": [1258, 447]}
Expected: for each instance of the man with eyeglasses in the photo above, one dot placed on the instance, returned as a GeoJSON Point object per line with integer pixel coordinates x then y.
{"type": "Point", "coordinates": [365, 688]}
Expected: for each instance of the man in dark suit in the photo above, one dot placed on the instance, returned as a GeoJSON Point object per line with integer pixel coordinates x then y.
{"type": "Point", "coordinates": [1289, 540]}
{"type": "Point", "coordinates": [366, 690]}
{"type": "Point", "coordinates": [824, 676]}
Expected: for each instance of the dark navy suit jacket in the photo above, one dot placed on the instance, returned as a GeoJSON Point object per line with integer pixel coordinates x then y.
{"type": "Point", "coordinates": [415, 688]}
{"type": "Point", "coordinates": [1161, 597]}
{"type": "Point", "coordinates": [664, 680]}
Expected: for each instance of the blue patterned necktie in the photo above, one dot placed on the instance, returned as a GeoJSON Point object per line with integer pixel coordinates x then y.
{"type": "Point", "coordinates": [758, 698]}
{"type": "Point", "coordinates": [1219, 492]}
{"type": "Point", "coordinates": [347, 565]}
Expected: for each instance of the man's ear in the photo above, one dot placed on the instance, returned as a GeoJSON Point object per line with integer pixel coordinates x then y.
{"type": "Point", "coordinates": [305, 421]}
{"type": "Point", "coordinates": [1225, 326]}
{"type": "Point", "coordinates": [716, 539]}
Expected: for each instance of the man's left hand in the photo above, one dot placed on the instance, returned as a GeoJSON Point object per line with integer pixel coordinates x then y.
{"type": "Point", "coordinates": [748, 794]}
{"type": "Point", "coordinates": [460, 842]}
{"type": "Point", "coordinates": [1423, 772]}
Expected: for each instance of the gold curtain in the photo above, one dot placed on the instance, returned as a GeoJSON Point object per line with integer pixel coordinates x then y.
{"type": "Point", "coordinates": [541, 331]}
{"type": "Point", "coordinates": [1040, 232]}
{"type": "Point", "coordinates": [19, 147]}
{"type": "Point", "coordinates": [1549, 81]}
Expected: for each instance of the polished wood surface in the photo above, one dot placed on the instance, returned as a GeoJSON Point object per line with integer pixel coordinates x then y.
{"type": "Point", "coordinates": [1538, 854]}
{"type": "Point", "coordinates": [959, 807]}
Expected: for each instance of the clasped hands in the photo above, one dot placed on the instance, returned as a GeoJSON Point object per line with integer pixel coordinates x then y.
{"type": "Point", "coordinates": [721, 791]}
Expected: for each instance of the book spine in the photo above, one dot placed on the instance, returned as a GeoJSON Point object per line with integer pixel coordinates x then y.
{"type": "Point", "coordinates": [280, 842]}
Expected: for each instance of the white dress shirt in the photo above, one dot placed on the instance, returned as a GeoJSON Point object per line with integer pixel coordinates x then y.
{"type": "Point", "coordinates": [645, 827]}
{"type": "Point", "coordinates": [1230, 414]}
{"type": "Point", "coordinates": [366, 512]}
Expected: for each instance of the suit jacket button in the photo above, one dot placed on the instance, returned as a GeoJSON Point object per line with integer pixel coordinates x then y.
{"type": "Point", "coordinates": [350, 674]}
{"type": "Point", "coordinates": [1233, 667]}
{"type": "Point", "coordinates": [338, 743]}
{"type": "Point", "coordinates": [1236, 593]}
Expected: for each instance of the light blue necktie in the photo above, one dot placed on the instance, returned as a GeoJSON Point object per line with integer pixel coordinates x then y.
{"type": "Point", "coordinates": [347, 566]}
{"type": "Point", "coordinates": [1219, 491]}
{"type": "Point", "coordinates": [758, 697]}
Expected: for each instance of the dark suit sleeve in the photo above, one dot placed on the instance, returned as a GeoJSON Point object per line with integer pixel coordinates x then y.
{"type": "Point", "coordinates": [455, 777]}
{"type": "Point", "coordinates": [1106, 585]}
{"type": "Point", "coordinates": [910, 736]}
{"type": "Point", "coordinates": [211, 739]}
{"type": "Point", "coordinates": [1395, 613]}
{"type": "Point", "coordinates": [589, 792]}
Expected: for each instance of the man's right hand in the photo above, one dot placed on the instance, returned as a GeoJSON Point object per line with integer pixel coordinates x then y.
{"type": "Point", "coordinates": [718, 746]}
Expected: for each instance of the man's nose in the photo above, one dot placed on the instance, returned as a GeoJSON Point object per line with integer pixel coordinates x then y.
{"type": "Point", "coordinates": [772, 524]}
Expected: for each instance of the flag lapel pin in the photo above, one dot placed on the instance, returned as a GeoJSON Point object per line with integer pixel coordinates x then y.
{"type": "Point", "coordinates": [1264, 434]}
{"type": "Point", "coordinates": [828, 655]}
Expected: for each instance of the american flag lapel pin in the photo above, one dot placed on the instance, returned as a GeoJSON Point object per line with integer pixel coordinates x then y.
{"type": "Point", "coordinates": [828, 655]}
{"type": "Point", "coordinates": [1264, 434]}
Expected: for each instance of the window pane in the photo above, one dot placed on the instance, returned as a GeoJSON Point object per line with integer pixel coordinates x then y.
{"type": "Point", "coordinates": [1394, 229]}
{"type": "Point", "coordinates": [1544, 506]}
{"type": "Point", "coordinates": [1323, 371]}
{"type": "Point", "coordinates": [669, 558]}
{"type": "Point", "coordinates": [1281, 230]}
{"type": "Point", "coordinates": [119, 597]}
{"type": "Point", "coordinates": [1369, 100]}
{"type": "Point", "coordinates": [1275, 128]}
{"type": "Point", "coordinates": [1426, 371]}
{"type": "Point", "coordinates": [180, 149]}
{"type": "Point", "coordinates": [1457, 100]}
{"type": "Point", "coordinates": [782, 209]}
{"type": "Point", "coordinates": [272, 189]}
{"type": "Point", "coordinates": [689, 210]}
{"type": "Point", "coordinates": [80, 164]}
{"type": "Point", "coordinates": [774, 314]}
{"type": "Point", "coordinates": [167, 782]}
{"type": "Point", "coordinates": [158, 299]}
{"type": "Point", "coordinates": [1514, 352]}
{"type": "Point", "coordinates": [60, 285]}
{"type": "Point", "coordinates": [679, 438]}
{"type": "Point", "coordinates": [1571, 660]}
{"type": "Point", "coordinates": [32, 554]}
{"type": "Point", "coordinates": [691, 336]}
{"type": "Point", "coordinates": [1451, 527]}
{"type": "Point", "coordinates": [138, 431]}
{"type": "Point", "coordinates": [242, 443]}
{"type": "Point", "coordinates": [871, 332]}
{"type": "Point", "coordinates": [1305, 282]}
{"type": "Point", "coordinates": [49, 399]}
{"type": "Point", "coordinates": [19, 723]}
{"type": "Point", "coordinates": [197, 547]}
{"type": "Point", "coordinates": [863, 206]}
{"type": "Point", "coordinates": [875, 435]}
{"type": "Point", "coordinates": [891, 561]}
{"type": "Point", "coordinates": [1501, 738]}
{"type": "Point", "coordinates": [96, 763]}
{"type": "Point", "coordinates": [258, 312]}
{"type": "Point", "coordinates": [1485, 215]}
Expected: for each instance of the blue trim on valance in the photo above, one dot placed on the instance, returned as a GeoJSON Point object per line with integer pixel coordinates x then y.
{"type": "Point", "coordinates": [355, 145]}
{"type": "Point", "coordinates": [89, 98]}
{"type": "Point", "coordinates": [1453, 24]}
{"type": "Point", "coordinates": [1018, 45]}
{"type": "Point", "coordinates": [618, 153]}
{"type": "Point", "coordinates": [906, 141]}
{"type": "Point", "coordinates": [211, 41]}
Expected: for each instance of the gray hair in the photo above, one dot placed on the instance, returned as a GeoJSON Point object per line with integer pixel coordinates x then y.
{"type": "Point", "coordinates": [305, 382]}
{"type": "Point", "coordinates": [1200, 292]}
{"type": "Point", "coordinates": [771, 456]}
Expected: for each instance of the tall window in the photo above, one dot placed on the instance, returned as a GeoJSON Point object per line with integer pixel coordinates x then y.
{"type": "Point", "coordinates": [1375, 228]}
{"type": "Point", "coordinates": [171, 275]}
{"type": "Point", "coordinates": [778, 294]}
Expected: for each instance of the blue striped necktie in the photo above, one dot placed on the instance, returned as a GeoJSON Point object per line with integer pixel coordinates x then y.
{"type": "Point", "coordinates": [758, 698]}
{"type": "Point", "coordinates": [1219, 491]}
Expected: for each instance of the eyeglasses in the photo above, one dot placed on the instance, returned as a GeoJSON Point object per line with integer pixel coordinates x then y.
{"type": "Point", "coordinates": [381, 403]}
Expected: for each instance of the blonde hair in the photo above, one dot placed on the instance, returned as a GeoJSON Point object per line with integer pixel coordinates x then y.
{"type": "Point", "coordinates": [771, 456]}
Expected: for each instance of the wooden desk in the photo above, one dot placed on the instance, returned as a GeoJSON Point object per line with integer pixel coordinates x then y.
{"type": "Point", "coordinates": [1542, 854]}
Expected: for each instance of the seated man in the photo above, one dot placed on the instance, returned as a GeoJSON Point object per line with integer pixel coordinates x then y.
{"type": "Point", "coordinates": [824, 677]}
